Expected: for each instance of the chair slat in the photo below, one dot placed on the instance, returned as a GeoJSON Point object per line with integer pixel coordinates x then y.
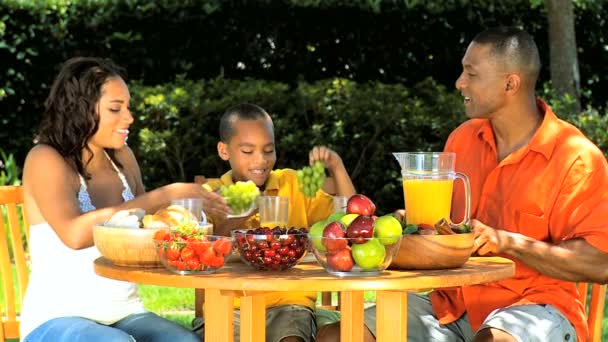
{"type": "Point", "coordinates": [16, 230]}
{"type": "Point", "coordinates": [8, 285]}
{"type": "Point", "coordinates": [11, 231]}
{"type": "Point", "coordinates": [596, 312]}
{"type": "Point", "coordinates": [582, 293]}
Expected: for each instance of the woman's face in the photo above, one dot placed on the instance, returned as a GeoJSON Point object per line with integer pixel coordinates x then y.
{"type": "Point", "coordinates": [114, 115]}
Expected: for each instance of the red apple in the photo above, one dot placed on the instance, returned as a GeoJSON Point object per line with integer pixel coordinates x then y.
{"type": "Point", "coordinates": [360, 204]}
{"type": "Point", "coordinates": [340, 260]}
{"type": "Point", "coordinates": [334, 237]}
{"type": "Point", "coordinates": [360, 229]}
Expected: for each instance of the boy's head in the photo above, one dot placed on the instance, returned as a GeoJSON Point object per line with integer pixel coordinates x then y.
{"type": "Point", "coordinates": [247, 143]}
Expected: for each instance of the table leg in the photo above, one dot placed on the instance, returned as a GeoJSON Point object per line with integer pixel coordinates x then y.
{"type": "Point", "coordinates": [253, 318]}
{"type": "Point", "coordinates": [219, 316]}
{"type": "Point", "coordinates": [391, 316]}
{"type": "Point", "coordinates": [351, 325]}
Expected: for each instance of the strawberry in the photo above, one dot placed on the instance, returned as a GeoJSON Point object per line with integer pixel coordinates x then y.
{"type": "Point", "coordinates": [162, 235]}
{"type": "Point", "coordinates": [193, 264]}
{"type": "Point", "coordinates": [222, 246]}
{"type": "Point", "coordinates": [173, 253]}
{"type": "Point", "coordinates": [187, 253]}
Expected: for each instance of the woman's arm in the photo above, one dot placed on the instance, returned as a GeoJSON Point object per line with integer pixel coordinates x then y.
{"type": "Point", "coordinates": [54, 200]}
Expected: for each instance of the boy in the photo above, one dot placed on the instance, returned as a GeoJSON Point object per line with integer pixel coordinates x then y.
{"type": "Point", "coordinates": [247, 143]}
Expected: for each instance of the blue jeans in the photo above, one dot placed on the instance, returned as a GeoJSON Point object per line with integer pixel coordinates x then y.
{"type": "Point", "coordinates": [138, 327]}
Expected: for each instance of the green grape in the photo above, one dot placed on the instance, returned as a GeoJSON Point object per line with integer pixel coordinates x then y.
{"type": "Point", "coordinates": [240, 195]}
{"type": "Point", "coordinates": [311, 178]}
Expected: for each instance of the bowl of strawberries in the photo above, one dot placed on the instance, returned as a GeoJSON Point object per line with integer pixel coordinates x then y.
{"type": "Point", "coordinates": [185, 249]}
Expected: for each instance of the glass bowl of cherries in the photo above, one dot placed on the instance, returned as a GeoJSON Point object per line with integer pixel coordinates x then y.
{"type": "Point", "coordinates": [271, 249]}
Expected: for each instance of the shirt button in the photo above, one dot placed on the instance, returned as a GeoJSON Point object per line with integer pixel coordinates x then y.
{"type": "Point", "coordinates": [567, 337]}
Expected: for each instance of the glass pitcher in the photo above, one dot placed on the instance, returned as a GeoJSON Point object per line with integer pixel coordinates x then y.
{"type": "Point", "coordinates": [428, 181]}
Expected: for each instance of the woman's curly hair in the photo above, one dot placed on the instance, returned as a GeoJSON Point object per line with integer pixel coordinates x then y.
{"type": "Point", "coordinates": [70, 117]}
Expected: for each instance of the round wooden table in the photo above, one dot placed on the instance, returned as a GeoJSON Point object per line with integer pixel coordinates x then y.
{"type": "Point", "coordinates": [238, 279]}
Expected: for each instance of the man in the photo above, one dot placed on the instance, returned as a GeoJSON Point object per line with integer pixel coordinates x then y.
{"type": "Point", "coordinates": [539, 197]}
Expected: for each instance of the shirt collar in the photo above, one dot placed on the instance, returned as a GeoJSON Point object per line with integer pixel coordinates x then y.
{"type": "Point", "coordinates": [543, 140]}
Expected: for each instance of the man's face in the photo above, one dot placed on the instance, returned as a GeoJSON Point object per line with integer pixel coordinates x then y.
{"type": "Point", "coordinates": [483, 82]}
{"type": "Point", "coordinates": [251, 151]}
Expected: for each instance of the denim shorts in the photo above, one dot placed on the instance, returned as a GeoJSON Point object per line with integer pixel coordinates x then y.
{"type": "Point", "coordinates": [526, 323]}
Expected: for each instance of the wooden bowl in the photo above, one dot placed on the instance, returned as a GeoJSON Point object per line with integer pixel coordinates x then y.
{"type": "Point", "coordinates": [430, 252]}
{"type": "Point", "coordinates": [127, 246]}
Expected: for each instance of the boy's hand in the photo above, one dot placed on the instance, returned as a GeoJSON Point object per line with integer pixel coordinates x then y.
{"type": "Point", "coordinates": [329, 157]}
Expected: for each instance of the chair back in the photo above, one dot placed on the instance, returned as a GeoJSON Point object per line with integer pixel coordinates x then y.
{"type": "Point", "coordinates": [595, 308]}
{"type": "Point", "coordinates": [13, 258]}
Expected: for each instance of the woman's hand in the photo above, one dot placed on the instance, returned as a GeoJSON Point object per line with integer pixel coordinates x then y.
{"type": "Point", "coordinates": [214, 204]}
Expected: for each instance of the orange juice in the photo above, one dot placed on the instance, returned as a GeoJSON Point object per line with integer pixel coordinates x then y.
{"type": "Point", "coordinates": [273, 224]}
{"type": "Point", "coordinates": [427, 200]}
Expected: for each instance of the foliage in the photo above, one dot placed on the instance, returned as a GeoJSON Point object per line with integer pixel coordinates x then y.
{"type": "Point", "coordinates": [590, 121]}
{"type": "Point", "coordinates": [10, 173]}
{"type": "Point", "coordinates": [177, 126]}
{"type": "Point", "coordinates": [364, 40]}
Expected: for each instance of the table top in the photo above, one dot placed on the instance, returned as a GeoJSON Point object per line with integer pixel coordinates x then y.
{"type": "Point", "coordinates": [309, 275]}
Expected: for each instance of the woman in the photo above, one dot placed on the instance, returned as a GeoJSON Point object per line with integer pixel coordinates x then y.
{"type": "Point", "coordinates": [80, 173]}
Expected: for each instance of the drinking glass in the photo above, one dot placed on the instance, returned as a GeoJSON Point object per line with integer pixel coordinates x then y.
{"type": "Point", "coordinates": [274, 211]}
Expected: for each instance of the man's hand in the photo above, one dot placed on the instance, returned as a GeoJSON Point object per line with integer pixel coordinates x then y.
{"type": "Point", "coordinates": [488, 240]}
{"type": "Point", "coordinates": [571, 260]}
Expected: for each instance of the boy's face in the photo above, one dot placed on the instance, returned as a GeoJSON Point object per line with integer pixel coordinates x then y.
{"type": "Point", "coordinates": [250, 152]}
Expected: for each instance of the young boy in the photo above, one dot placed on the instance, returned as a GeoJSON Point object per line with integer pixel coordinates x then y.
{"type": "Point", "coordinates": [247, 143]}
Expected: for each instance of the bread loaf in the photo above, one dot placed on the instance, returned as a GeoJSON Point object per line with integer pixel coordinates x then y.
{"type": "Point", "coordinates": [127, 218]}
{"type": "Point", "coordinates": [170, 216]}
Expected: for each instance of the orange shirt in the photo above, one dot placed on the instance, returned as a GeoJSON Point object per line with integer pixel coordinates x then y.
{"type": "Point", "coordinates": [554, 189]}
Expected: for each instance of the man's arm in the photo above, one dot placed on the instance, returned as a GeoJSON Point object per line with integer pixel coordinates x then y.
{"type": "Point", "coordinates": [571, 260]}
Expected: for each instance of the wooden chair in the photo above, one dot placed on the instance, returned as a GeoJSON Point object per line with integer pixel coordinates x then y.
{"type": "Point", "coordinates": [595, 308]}
{"type": "Point", "coordinates": [13, 287]}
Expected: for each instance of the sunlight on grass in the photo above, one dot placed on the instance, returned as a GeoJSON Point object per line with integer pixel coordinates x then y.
{"type": "Point", "coordinates": [166, 299]}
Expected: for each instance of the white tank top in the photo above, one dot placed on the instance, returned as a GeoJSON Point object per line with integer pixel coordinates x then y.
{"type": "Point", "coordinates": [63, 282]}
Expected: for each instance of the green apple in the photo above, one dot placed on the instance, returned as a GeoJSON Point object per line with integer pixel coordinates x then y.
{"type": "Point", "coordinates": [347, 219]}
{"type": "Point", "coordinates": [387, 229]}
{"type": "Point", "coordinates": [316, 234]}
{"type": "Point", "coordinates": [369, 255]}
{"type": "Point", "coordinates": [335, 216]}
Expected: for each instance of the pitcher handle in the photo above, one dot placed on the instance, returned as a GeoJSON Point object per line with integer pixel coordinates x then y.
{"type": "Point", "coordinates": [467, 197]}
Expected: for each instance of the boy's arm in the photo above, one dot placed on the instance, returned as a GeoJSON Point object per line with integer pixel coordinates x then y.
{"type": "Point", "coordinates": [339, 182]}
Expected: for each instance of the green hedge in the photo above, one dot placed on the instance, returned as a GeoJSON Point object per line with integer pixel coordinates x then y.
{"type": "Point", "coordinates": [282, 40]}
{"type": "Point", "coordinates": [177, 126]}
{"type": "Point", "coordinates": [176, 130]}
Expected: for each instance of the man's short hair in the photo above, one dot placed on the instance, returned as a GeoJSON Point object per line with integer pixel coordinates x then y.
{"type": "Point", "coordinates": [515, 48]}
{"type": "Point", "coordinates": [243, 111]}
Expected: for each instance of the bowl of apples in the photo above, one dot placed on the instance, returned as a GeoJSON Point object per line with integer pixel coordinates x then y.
{"type": "Point", "coordinates": [275, 249]}
{"type": "Point", "coordinates": [356, 243]}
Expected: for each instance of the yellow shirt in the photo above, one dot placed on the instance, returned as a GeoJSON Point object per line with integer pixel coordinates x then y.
{"type": "Point", "coordinates": [303, 212]}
